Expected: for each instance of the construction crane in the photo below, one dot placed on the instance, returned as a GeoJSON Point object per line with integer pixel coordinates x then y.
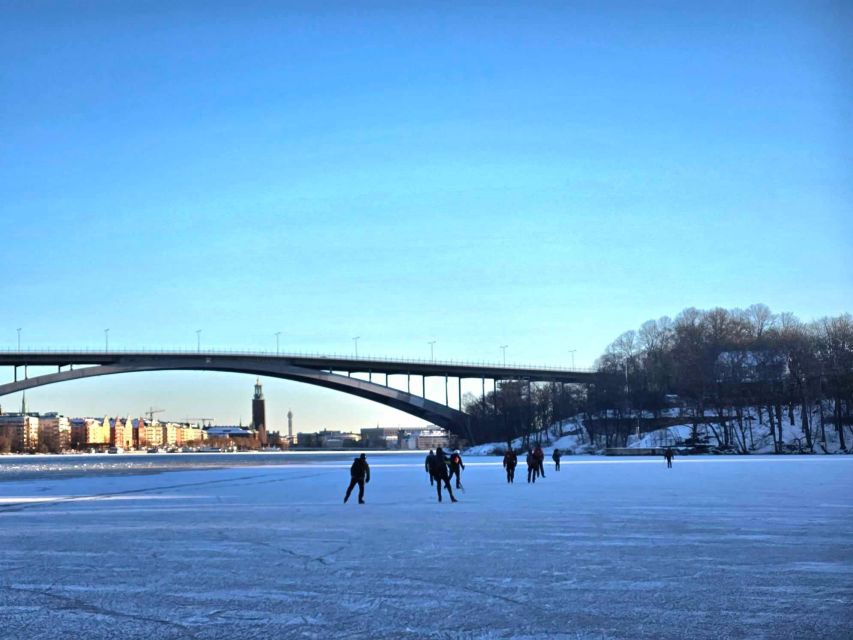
{"type": "Point", "coordinates": [151, 411]}
{"type": "Point", "coordinates": [205, 422]}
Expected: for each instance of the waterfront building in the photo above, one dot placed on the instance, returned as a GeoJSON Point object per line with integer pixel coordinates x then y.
{"type": "Point", "coordinates": [54, 431]}
{"type": "Point", "coordinates": [328, 439]}
{"type": "Point", "coordinates": [379, 437]}
{"type": "Point", "coordinates": [150, 434]}
{"type": "Point", "coordinates": [170, 434]}
{"type": "Point", "coordinates": [187, 433]}
{"type": "Point", "coordinates": [121, 432]}
{"type": "Point", "coordinates": [89, 432]}
{"type": "Point", "coordinates": [230, 432]}
{"type": "Point", "coordinates": [431, 439]}
{"type": "Point", "coordinates": [21, 429]}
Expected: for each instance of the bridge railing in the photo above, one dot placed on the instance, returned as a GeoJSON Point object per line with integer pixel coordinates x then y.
{"type": "Point", "coordinates": [301, 354]}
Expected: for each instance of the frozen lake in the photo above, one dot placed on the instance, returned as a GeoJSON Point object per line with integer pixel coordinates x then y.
{"type": "Point", "coordinates": [731, 547]}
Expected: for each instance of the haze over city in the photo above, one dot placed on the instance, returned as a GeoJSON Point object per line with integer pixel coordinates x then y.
{"type": "Point", "coordinates": [539, 177]}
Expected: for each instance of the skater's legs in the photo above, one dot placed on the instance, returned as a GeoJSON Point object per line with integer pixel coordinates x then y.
{"type": "Point", "coordinates": [351, 486]}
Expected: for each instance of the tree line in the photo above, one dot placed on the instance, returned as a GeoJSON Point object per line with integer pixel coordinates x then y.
{"type": "Point", "coordinates": [727, 371]}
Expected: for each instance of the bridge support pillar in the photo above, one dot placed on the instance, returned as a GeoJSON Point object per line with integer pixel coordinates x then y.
{"type": "Point", "coordinates": [446, 394]}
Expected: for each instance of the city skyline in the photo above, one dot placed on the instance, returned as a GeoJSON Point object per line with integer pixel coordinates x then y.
{"type": "Point", "coordinates": [469, 184]}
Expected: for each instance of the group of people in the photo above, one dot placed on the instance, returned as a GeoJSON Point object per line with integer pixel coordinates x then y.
{"type": "Point", "coordinates": [535, 463]}
{"type": "Point", "coordinates": [442, 469]}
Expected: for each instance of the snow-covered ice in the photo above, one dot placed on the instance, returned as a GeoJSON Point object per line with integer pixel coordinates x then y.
{"type": "Point", "coordinates": [716, 547]}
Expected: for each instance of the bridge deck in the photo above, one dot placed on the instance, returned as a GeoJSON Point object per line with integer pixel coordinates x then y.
{"type": "Point", "coordinates": [317, 362]}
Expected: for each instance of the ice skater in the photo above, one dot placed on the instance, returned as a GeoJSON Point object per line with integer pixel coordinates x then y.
{"type": "Point", "coordinates": [510, 463]}
{"type": "Point", "coordinates": [428, 466]}
{"type": "Point", "coordinates": [667, 455]}
{"type": "Point", "coordinates": [540, 458]}
{"type": "Point", "coordinates": [439, 472]}
{"type": "Point", "coordinates": [532, 466]}
{"type": "Point", "coordinates": [456, 467]}
{"type": "Point", "coordinates": [556, 458]}
{"type": "Point", "coordinates": [359, 474]}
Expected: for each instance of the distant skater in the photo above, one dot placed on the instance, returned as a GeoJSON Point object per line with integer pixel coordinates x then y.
{"type": "Point", "coordinates": [540, 458]}
{"type": "Point", "coordinates": [532, 466]}
{"type": "Point", "coordinates": [510, 463]}
{"type": "Point", "coordinates": [428, 466]}
{"type": "Point", "coordinates": [439, 472]}
{"type": "Point", "coordinates": [556, 458]}
{"type": "Point", "coordinates": [668, 454]}
{"type": "Point", "coordinates": [359, 474]}
{"type": "Point", "coordinates": [456, 467]}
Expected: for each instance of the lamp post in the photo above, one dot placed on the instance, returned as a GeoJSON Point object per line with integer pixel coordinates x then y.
{"type": "Point", "coordinates": [503, 348]}
{"type": "Point", "coordinates": [19, 338]}
{"type": "Point", "coordinates": [277, 334]}
{"type": "Point", "coordinates": [355, 341]}
{"type": "Point", "coordinates": [431, 350]}
{"type": "Point", "coordinates": [198, 340]}
{"type": "Point", "coordinates": [106, 339]}
{"type": "Point", "coordinates": [572, 351]}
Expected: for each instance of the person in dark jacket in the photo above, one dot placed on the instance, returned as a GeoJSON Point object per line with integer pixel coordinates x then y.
{"type": "Point", "coordinates": [540, 458]}
{"type": "Point", "coordinates": [456, 467]}
{"type": "Point", "coordinates": [510, 463]}
{"type": "Point", "coordinates": [428, 466]}
{"type": "Point", "coordinates": [359, 474]}
{"type": "Point", "coordinates": [668, 454]}
{"type": "Point", "coordinates": [556, 458]}
{"type": "Point", "coordinates": [439, 472]}
{"type": "Point", "coordinates": [532, 466]}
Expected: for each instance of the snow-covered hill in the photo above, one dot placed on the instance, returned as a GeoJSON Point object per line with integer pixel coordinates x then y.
{"type": "Point", "coordinates": [577, 441]}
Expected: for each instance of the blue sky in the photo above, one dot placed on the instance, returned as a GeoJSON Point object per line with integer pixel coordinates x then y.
{"type": "Point", "coordinates": [477, 174]}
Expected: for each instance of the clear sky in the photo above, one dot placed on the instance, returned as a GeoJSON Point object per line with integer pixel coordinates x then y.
{"type": "Point", "coordinates": [478, 174]}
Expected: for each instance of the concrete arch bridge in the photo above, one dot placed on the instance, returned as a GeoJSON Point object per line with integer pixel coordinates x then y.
{"type": "Point", "coordinates": [331, 372]}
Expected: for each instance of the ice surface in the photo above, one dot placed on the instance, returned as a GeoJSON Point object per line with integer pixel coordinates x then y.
{"type": "Point", "coordinates": [732, 547]}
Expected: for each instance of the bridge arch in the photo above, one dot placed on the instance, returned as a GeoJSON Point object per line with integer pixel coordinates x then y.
{"type": "Point", "coordinates": [454, 420]}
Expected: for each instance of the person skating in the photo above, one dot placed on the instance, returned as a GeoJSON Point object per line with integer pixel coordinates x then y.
{"type": "Point", "coordinates": [540, 458]}
{"type": "Point", "coordinates": [532, 466]}
{"type": "Point", "coordinates": [510, 463]}
{"type": "Point", "coordinates": [667, 455]}
{"type": "Point", "coordinates": [556, 458]}
{"type": "Point", "coordinates": [456, 467]}
{"type": "Point", "coordinates": [428, 466]}
{"type": "Point", "coordinates": [439, 472]}
{"type": "Point", "coordinates": [359, 474]}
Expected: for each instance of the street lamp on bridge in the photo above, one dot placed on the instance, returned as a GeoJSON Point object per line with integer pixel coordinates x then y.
{"type": "Point", "coordinates": [355, 340]}
{"type": "Point", "coordinates": [198, 340]}
{"type": "Point", "coordinates": [431, 350]}
{"type": "Point", "coordinates": [19, 338]}
{"type": "Point", "coordinates": [106, 339]}
{"type": "Point", "coordinates": [277, 334]}
{"type": "Point", "coordinates": [503, 348]}
{"type": "Point", "coordinates": [572, 351]}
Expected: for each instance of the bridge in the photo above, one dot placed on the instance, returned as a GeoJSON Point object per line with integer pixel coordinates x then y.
{"type": "Point", "coordinates": [331, 372]}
